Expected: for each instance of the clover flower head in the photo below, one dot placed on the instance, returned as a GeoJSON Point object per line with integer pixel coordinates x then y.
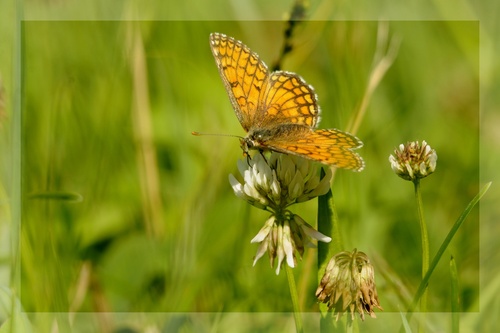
{"type": "Point", "coordinates": [273, 184]}
{"type": "Point", "coordinates": [348, 285]}
{"type": "Point", "coordinates": [413, 160]}
{"type": "Point", "coordinates": [279, 181]}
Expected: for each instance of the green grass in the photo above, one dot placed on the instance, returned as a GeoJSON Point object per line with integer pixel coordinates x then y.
{"type": "Point", "coordinates": [86, 206]}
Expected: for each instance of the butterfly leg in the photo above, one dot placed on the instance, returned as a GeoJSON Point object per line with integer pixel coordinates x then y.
{"type": "Point", "coordinates": [249, 158]}
{"type": "Point", "coordinates": [261, 152]}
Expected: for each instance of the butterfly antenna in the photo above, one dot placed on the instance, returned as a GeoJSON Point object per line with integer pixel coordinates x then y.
{"type": "Point", "coordinates": [216, 134]}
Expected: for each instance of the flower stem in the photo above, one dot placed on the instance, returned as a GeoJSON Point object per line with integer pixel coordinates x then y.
{"type": "Point", "coordinates": [425, 244]}
{"type": "Point", "coordinates": [299, 328]}
{"type": "Point", "coordinates": [440, 253]}
{"type": "Point", "coordinates": [455, 298]}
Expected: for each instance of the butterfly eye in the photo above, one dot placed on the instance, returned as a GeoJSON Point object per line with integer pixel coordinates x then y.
{"type": "Point", "coordinates": [245, 145]}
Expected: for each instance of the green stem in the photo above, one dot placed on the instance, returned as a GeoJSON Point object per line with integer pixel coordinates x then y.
{"type": "Point", "coordinates": [328, 224]}
{"type": "Point", "coordinates": [443, 247]}
{"type": "Point", "coordinates": [299, 328]}
{"type": "Point", "coordinates": [455, 298]}
{"type": "Point", "coordinates": [425, 246]}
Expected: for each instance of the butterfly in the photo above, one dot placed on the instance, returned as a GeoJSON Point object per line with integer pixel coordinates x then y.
{"type": "Point", "coordinates": [279, 110]}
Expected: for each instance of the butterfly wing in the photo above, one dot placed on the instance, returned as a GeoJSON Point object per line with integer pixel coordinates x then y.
{"type": "Point", "coordinates": [288, 99]}
{"type": "Point", "coordinates": [328, 146]}
{"type": "Point", "coordinates": [245, 76]}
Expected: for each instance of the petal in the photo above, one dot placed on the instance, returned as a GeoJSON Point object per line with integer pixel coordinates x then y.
{"type": "Point", "coordinates": [280, 252]}
{"type": "Point", "coordinates": [235, 184]}
{"type": "Point", "coordinates": [286, 169]}
{"type": "Point", "coordinates": [242, 166]}
{"type": "Point", "coordinates": [248, 177]}
{"type": "Point", "coordinates": [312, 183]}
{"type": "Point", "coordinates": [409, 169]}
{"type": "Point", "coordinates": [423, 169]}
{"type": "Point", "coordinates": [324, 185]}
{"type": "Point", "coordinates": [432, 161]}
{"type": "Point", "coordinates": [310, 231]}
{"type": "Point", "coordinates": [287, 245]}
{"type": "Point", "coordinates": [393, 161]}
{"type": "Point", "coordinates": [427, 149]}
{"type": "Point", "coordinates": [307, 167]}
{"type": "Point", "coordinates": [264, 231]}
{"type": "Point", "coordinates": [275, 189]}
{"type": "Point", "coordinates": [295, 187]}
{"type": "Point", "coordinates": [250, 191]}
{"type": "Point", "coordinates": [265, 169]}
{"type": "Point", "coordinates": [260, 252]}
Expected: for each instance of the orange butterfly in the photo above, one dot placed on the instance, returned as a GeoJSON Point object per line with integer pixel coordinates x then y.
{"type": "Point", "coordinates": [279, 110]}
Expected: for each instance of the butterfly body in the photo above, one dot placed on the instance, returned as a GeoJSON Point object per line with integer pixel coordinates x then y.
{"type": "Point", "coordinates": [279, 110]}
{"type": "Point", "coordinates": [263, 138]}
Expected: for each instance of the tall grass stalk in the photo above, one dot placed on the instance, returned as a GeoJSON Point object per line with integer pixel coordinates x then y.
{"type": "Point", "coordinates": [15, 269]}
{"type": "Point", "coordinates": [146, 155]}
{"type": "Point", "coordinates": [385, 54]}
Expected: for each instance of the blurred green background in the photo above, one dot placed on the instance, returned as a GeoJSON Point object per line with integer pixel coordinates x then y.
{"type": "Point", "coordinates": [123, 210]}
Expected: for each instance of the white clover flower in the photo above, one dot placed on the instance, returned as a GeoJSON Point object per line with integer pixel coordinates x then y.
{"type": "Point", "coordinates": [273, 185]}
{"type": "Point", "coordinates": [279, 182]}
{"type": "Point", "coordinates": [413, 160]}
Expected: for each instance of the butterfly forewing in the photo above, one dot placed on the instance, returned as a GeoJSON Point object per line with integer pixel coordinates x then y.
{"type": "Point", "coordinates": [244, 75]}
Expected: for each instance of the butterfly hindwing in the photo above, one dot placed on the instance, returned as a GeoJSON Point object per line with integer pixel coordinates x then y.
{"type": "Point", "coordinates": [328, 146]}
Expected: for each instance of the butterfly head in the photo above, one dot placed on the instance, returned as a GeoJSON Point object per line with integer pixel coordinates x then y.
{"type": "Point", "coordinates": [246, 144]}
{"type": "Point", "coordinates": [255, 139]}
